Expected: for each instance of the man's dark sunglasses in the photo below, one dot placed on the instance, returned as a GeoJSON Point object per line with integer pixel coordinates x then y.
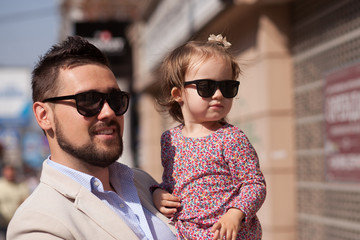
{"type": "Point", "coordinates": [206, 88]}
{"type": "Point", "coordinates": [90, 103]}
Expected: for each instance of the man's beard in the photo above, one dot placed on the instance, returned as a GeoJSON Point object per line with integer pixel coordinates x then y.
{"type": "Point", "coordinates": [89, 153]}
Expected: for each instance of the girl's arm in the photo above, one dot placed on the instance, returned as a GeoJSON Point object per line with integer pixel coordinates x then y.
{"type": "Point", "coordinates": [247, 177]}
{"type": "Point", "coordinates": [163, 200]}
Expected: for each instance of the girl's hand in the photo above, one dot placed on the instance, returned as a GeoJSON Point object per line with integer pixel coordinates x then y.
{"type": "Point", "coordinates": [165, 202]}
{"type": "Point", "coordinates": [228, 225]}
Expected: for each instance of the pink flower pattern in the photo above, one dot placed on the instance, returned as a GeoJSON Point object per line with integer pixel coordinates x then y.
{"type": "Point", "coordinates": [212, 174]}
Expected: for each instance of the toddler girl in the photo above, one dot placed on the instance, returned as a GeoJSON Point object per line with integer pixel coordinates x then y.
{"type": "Point", "coordinates": [212, 184]}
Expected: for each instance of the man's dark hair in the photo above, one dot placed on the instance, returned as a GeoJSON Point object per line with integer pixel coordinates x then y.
{"type": "Point", "coordinates": [74, 51]}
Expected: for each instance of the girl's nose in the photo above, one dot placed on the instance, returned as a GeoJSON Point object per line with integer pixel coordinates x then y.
{"type": "Point", "coordinates": [217, 94]}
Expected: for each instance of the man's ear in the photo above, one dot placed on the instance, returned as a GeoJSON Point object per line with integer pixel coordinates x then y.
{"type": "Point", "coordinates": [176, 94]}
{"type": "Point", "coordinates": [43, 113]}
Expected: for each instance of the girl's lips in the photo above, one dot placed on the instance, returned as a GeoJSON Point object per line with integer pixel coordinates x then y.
{"type": "Point", "coordinates": [216, 106]}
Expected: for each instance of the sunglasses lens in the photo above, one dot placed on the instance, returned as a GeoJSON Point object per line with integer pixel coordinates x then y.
{"type": "Point", "coordinates": [119, 102]}
{"type": "Point", "coordinates": [229, 89]}
{"type": "Point", "coordinates": [89, 103]}
{"type": "Point", "coordinates": [206, 88]}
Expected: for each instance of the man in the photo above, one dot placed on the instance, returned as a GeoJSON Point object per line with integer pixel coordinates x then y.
{"type": "Point", "coordinates": [83, 192]}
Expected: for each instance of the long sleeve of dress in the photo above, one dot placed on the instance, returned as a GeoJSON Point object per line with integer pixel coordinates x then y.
{"type": "Point", "coordinates": [167, 158]}
{"type": "Point", "coordinates": [245, 169]}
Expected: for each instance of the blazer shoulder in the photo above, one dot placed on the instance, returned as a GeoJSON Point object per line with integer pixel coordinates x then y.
{"type": "Point", "coordinates": [143, 177]}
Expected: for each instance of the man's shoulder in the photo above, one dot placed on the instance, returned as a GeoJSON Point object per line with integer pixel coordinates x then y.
{"type": "Point", "coordinates": [38, 207]}
{"type": "Point", "coordinates": [141, 175]}
{"type": "Point", "coordinates": [4, 183]}
{"type": "Point", "coordinates": [42, 199]}
{"type": "Point", "coordinates": [48, 198]}
{"type": "Point", "coordinates": [143, 181]}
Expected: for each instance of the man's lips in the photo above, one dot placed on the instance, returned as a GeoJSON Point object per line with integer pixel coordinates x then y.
{"type": "Point", "coordinates": [105, 132]}
{"type": "Point", "coordinates": [105, 129]}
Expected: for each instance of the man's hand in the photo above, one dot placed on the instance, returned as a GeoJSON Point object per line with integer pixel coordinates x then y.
{"type": "Point", "coordinates": [165, 202]}
{"type": "Point", "coordinates": [228, 225]}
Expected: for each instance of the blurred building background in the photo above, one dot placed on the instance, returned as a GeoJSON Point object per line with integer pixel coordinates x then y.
{"type": "Point", "coordinates": [299, 98]}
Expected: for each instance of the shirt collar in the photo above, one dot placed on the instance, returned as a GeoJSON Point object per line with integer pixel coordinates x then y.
{"type": "Point", "coordinates": [119, 173]}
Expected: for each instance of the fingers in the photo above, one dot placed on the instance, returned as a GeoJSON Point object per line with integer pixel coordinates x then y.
{"type": "Point", "coordinates": [230, 235]}
{"type": "Point", "coordinates": [165, 202]}
{"type": "Point", "coordinates": [216, 230]}
{"type": "Point", "coordinates": [216, 234]}
{"type": "Point", "coordinates": [215, 227]}
{"type": "Point", "coordinates": [164, 195]}
{"type": "Point", "coordinates": [234, 235]}
{"type": "Point", "coordinates": [170, 203]}
{"type": "Point", "coordinates": [169, 197]}
{"type": "Point", "coordinates": [166, 199]}
{"type": "Point", "coordinates": [221, 232]}
{"type": "Point", "coordinates": [168, 212]}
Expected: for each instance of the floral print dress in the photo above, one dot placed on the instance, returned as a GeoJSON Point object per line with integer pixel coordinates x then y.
{"type": "Point", "coordinates": [212, 174]}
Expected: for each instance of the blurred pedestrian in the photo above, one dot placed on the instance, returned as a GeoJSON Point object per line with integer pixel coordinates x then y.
{"type": "Point", "coordinates": [212, 184]}
{"type": "Point", "coordinates": [84, 193]}
{"type": "Point", "coordinates": [12, 194]}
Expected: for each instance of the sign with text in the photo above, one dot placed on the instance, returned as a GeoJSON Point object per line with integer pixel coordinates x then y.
{"type": "Point", "coordinates": [342, 120]}
{"type": "Point", "coordinates": [110, 38]}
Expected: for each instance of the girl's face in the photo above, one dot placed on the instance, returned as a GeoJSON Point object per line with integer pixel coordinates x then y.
{"type": "Point", "coordinates": [195, 108]}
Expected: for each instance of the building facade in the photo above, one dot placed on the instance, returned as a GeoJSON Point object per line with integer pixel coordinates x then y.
{"type": "Point", "coordinates": [299, 62]}
{"type": "Point", "coordinates": [298, 101]}
{"type": "Point", "coordinates": [325, 52]}
{"type": "Point", "coordinates": [259, 32]}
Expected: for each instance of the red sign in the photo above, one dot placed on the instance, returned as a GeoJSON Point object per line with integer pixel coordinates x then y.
{"type": "Point", "coordinates": [342, 120]}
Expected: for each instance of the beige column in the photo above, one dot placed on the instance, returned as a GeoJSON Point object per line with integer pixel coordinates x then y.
{"type": "Point", "coordinates": [149, 138]}
{"type": "Point", "coordinates": [264, 111]}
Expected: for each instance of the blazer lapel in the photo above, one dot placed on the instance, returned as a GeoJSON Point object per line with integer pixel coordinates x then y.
{"type": "Point", "coordinates": [146, 201]}
{"type": "Point", "coordinates": [87, 203]}
{"type": "Point", "coordinates": [103, 215]}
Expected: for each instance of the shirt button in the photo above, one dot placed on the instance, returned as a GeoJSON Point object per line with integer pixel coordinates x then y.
{"type": "Point", "coordinates": [121, 205]}
{"type": "Point", "coordinates": [96, 183]}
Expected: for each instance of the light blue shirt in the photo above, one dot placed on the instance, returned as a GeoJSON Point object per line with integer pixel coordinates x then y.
{"type": "Point", "coordinates": [125, 202]}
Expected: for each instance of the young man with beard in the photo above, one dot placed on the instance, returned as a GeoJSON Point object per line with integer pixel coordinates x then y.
{"type": "Point", "coordinates": [84, 193]}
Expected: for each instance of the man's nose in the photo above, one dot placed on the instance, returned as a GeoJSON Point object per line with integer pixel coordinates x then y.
{"type": "Point", "coordinates": [106, 111]}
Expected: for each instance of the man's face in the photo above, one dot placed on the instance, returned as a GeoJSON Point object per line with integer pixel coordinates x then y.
{"type": "Point", "coordinates": [93, 140]}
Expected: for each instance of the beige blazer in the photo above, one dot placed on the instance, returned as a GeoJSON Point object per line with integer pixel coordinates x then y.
{"type": "Point", "coordinates": [60, 208]}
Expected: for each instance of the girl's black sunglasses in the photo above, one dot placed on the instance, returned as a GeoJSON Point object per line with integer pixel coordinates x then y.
{"type": "Point", "coordinates": [206, 88]}
{"type": "Point", "coordinates": [90, 103]}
